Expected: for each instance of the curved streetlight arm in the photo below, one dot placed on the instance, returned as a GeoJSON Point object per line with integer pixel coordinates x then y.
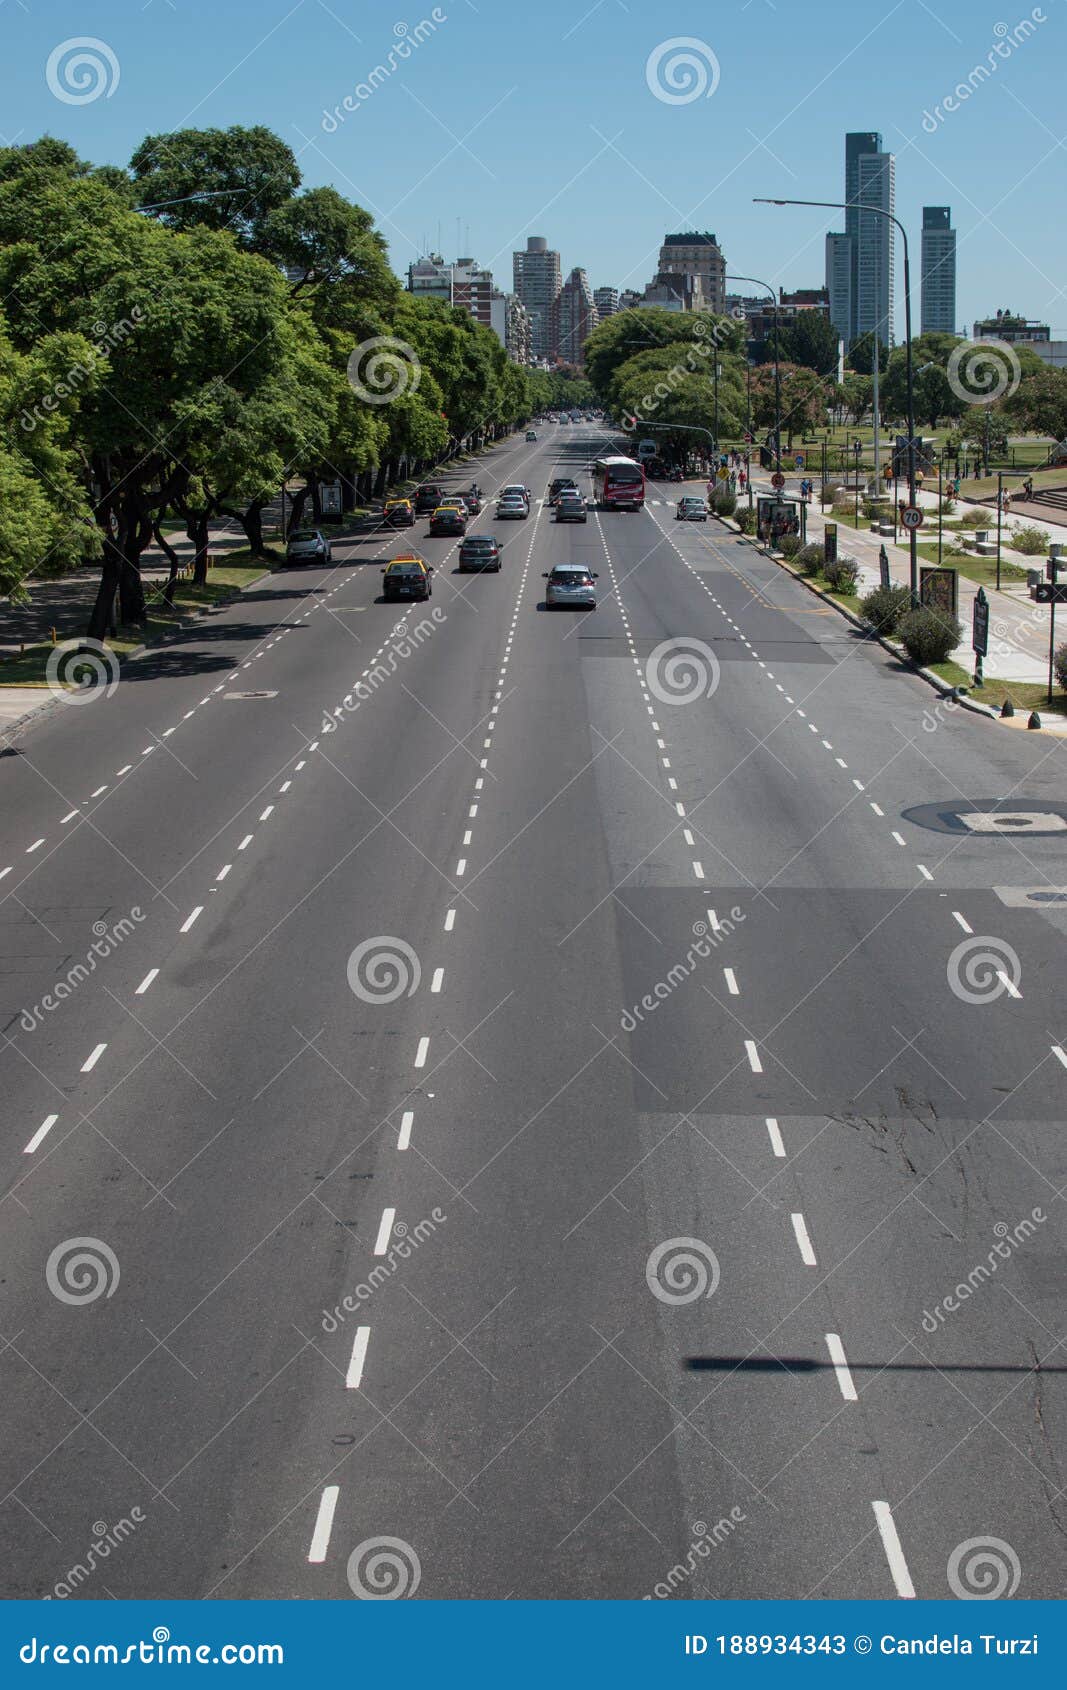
{"type": "Point", "coordinates": [879, 211]}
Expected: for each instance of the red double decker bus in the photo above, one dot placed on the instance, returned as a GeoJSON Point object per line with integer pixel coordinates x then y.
{"type": "Point", "coordinates": [618, 484]}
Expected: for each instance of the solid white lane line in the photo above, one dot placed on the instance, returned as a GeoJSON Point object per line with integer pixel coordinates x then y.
{"type": "Point", "coordinates": [731, 982]}
{"type": "Point", "coordinates": [1009, 984]}
{"type": "Point", "coordinates": [41, 1134]}
{"type": "Point", "coordinates": [93, 1058]}
{"type": "Point", "coordinates": [450, 921]}
{"type": "Point", "coordinates": [774, 1130]}
{"type": "Point", "coordinates": [69, 817]}
{"type": "Point", "coordinates": [36, 846]}
{"type": "Point", "coordinates": [753, 1056]}
{"type": "Point", "coordinates": [246, 841]}
{"type": "Point", "coordinates": [438, 977]}
{"type": "Point", "coordinates": [404, 1137]}
{"type": "Point", "coordinates": [354, 1376]}
{"type": "Point", "coordinates": [841, 1367]}
{"type": "Point", "coordinates": [421, 1053]}
{"type": "Point", "coordinates": [320, 1537]}
{"type": "Point", "coordinates": [898, 837]}
{"type": "Point", "coordinates": [893, 1551]}
{"type": "Point", "coordinates": [807, 1254]}
{"type": "Point", "coordinates": [188, 922]}
{"type": "Point", "coordinates": [146, 982]}
{"type": "Point", "coordinates": [385, 1231]}
{"type": "Point", "coordinates": [267, 812]}
{"type": "Point", "coordinates": [964, 923]}
{"type": "Point", "coordinates": [224, 871]}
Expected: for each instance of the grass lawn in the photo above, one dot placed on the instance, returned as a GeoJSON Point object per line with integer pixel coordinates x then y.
{"type": "Point", "coordinates": [1025, 695]}
{"type": "Point", "coordinates": [28, 668]}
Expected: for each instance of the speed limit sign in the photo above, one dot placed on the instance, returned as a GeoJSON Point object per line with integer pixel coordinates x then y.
{"type": "Point", "coordinates": [777, 479]}
{"type": "Point", "coordinates": [911, 516]}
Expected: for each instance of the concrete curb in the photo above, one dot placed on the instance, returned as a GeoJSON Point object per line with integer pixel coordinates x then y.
{"type": "Point", "coordinates": [945, 688]}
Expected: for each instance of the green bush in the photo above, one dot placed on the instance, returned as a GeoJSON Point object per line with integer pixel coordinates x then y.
{"type": "Point", "coordinates": [746, 520]}
{"type": "Point", "coordinates": [811, 558]}
{"type": "Point", "coordinates": [830, 492]}
{"type": "Point", "coordinates": [1059, 663]}
{"type": "Point", "coordinates": [1033, 542]}
{"type": "Point", "coordinates": [883, 608]}
{"type": "Point", "coordinates": [789, 545]}
{"type": "Point", "coordinates": [724, 502]}
{"type": "Point", "coordinates": [842, 576]}
{"type": "Point", "coordinates": [929, 636]}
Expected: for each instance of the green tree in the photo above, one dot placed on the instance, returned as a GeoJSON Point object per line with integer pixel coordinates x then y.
{"type": "Point", "coordinates": [250, 173]}
{"type": "Point", "coordinates": [811, 340]}
{"type": "Point", "coordinates": [1039, 404]}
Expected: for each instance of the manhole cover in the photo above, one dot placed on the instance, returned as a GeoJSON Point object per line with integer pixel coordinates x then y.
{"type": "Point", "coordinates": [250, 695]}
{"type": "Point", "coordinates": [990, 817]}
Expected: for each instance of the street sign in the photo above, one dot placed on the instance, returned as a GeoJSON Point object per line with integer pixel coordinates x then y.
{"type": "Point", "coordinates": [798, 461]}
{"type": "Point", "coordinates": [330, 498]}
{"type": "Point", "coordinates": [777, 479]}
{"type": "Point", "coordinates": [911, 516]}
{"type": "Point", "coordinates": [883, 567]}
{"type": "Point", "coordinates": [939, 590]}
{"type": "Point", "coordinates": [724, 473]}
{"type": "Point", "coordinates": [830, 542]}
{"type": "Point", "coordinates": [1048, 592]}
{"type": "Point", "coordinates": [980, 624]}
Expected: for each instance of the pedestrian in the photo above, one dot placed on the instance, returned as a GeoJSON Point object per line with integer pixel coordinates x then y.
{"type": "Point", "coordinates": [742, 478]}
{"type": "Point", "coordinates": [733, 481]}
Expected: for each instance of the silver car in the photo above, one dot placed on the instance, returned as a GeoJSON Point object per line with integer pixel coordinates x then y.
{"type": "Point", "coordinates": [308, 545]}
{"type": "Point", "coordinates": [571, 584]}
{"type": "Point", "coordinates": [512, 506]}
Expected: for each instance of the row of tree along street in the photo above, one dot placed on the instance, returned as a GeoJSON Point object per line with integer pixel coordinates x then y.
{"type": "Point", "coordinates": [168, 356]}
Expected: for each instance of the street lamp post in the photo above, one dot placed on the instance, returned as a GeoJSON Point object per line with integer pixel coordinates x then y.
{"type": "Point", "coordinates": [755, 282]}
{"type": "Point", "coordinates": [878, 211]}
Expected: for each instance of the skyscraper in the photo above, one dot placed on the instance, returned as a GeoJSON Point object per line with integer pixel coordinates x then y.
{"type": "Point", "coordinates": [606, 301]}
{"type": "Point", "coordinates": [938, 271]}
{"type": "Point", "coordinates": [537, 279]}
{"type": "Point", "coordinates": [573, 318]}
{"type": "Point", "coordinates": [867, 246]}
{"type": "Point", "coordinates": [696, 254]}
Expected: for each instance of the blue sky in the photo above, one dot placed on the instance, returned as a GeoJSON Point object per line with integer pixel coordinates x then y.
{"type": "Point", "coordinates": [519, 119]}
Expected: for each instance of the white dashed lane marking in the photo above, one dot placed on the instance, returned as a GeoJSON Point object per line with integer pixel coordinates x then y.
{"type": "Point", "coordinates": [146, 982]}
{"type": "Point", "coordinates": [93, 1058]}
{"type": "Point", "coordinates": [775, 1134]}
{"type": "Point", "coordinates": [841, 1367]}
{"type": "Point", "coordinates": [807, 1253]}
{"type": "Point", "coordinates": [41, 1134]}
{"type": "Point", "coordinates": [354, 1376]}
{"type": "Point", "coordinates": [320, 1537]}
{"type": "Point", "coordinates": [898, 1566]}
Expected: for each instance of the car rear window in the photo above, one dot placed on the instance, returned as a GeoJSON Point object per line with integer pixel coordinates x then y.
{"type": "Point", "coordinates": [303, 534]}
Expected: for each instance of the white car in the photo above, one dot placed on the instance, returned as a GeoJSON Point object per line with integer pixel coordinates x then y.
{"type": "Point", "coordinates": [308, 545]}
{"type": "Point", "coordinates": [571, 584]}
{"type": "Point", "coordinates": [512, 506]}
{"type": "Point", "coordinates": [515, 490]}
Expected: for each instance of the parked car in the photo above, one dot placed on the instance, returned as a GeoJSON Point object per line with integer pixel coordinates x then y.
{"type": "Point", "coordinates": [408, 576]}
{"type": "Point", "coordinates": [308, 545]}
{"type": "Point", "coordinates": [449, 519]}
{"type": "Point", "coordinates": [570, 507]}
{"type": "Point", "coordinates": [399, 513]}
{"type": "Point", "coordinates": [571, 584]}
{"type": "Point", "coordinates": [479, 551]}
{"type": "Point", "coordinates": [691, 509]}
{"type": "Point", "coordinates": [427, 497]}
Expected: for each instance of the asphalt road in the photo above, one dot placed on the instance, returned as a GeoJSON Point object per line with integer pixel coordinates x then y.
{"type": "Point", "coordinates": [606, 1242]}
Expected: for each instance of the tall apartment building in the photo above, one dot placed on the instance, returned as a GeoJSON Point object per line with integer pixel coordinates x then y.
{"type": "Point", "coordinates": [510, 322]}
{"type": "Point", "coordinates": [938, 312]}
{"type": "Point", "coordinates": [696, 254]}
{"type": "Point", "coordinates": [868, 245]}
{"type": "Point", "coordinates": [537, 281]}
{"type": "Point", "coordinates": [606, 301]}
{"type": "Point", "coordinates": [461, 283]}
{"type": "Point", "coordinates": [573, 317]}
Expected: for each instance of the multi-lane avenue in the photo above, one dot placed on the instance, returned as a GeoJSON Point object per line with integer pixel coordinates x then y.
{"type": "Point", "coordinates": [549, 1077]}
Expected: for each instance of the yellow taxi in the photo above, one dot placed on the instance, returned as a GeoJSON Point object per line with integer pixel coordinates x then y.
{"type": "Point", "coordinates": [407, 576]}
{"type": "Point", "coordinates": [399, 513]}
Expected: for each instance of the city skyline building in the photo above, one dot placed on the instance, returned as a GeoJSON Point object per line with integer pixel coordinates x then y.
{"type": "Point", "coordinates": [938, 305]}
{"type": "Point", "coordinates": [537, 279]}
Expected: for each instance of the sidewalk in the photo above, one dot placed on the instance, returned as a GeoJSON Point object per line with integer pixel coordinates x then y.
{"type": "Point", "coordinates": [1018, 628]}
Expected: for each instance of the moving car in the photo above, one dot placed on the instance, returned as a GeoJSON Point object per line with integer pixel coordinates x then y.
{"type": "Point", "coordinates": [479, 551]}
{"type": "Point", "coordinates": [427, 497]}
{"type": "Point", "coordinates": [407, 577]}
{"type": "Point", "coordinates": [571, 584]}
{"type": "Point", "coordinates": [555, 488]}
{"type": "Point", "coordinates": [308, 545]}
{"type": "Point", "coordinates": [570, 506]}
{"type": "Point", "coordinates": [512, 505]}
{"type": "Point", "coordinates": [399, 513]}
{"type": "Point", "coordinates": [450, 519]}
{"type": "Point", "coordinates": [515, 489]}
{"type": "Point", "coordinates": [530, 435]}
{"type": "Point", "coordinates": [691, 509]}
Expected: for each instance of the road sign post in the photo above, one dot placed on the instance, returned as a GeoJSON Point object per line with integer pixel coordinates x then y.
{"type": "Point", "coordinates": [980, 633]}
